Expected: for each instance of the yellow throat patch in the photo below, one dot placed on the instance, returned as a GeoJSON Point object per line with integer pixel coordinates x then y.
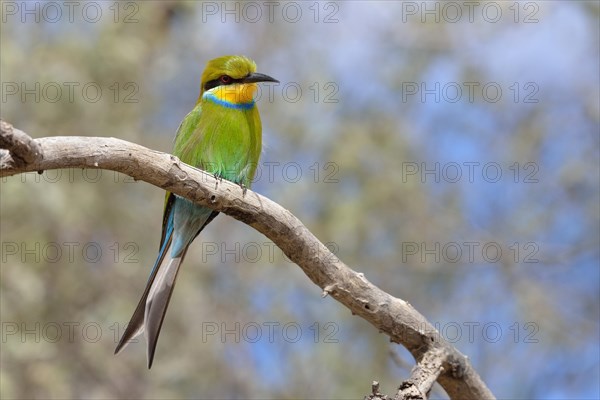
{"type": "Point", "coordinates": [238, 93]}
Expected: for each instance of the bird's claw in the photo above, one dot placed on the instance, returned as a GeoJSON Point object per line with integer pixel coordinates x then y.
{"type": "Point", "coordinates": [219, 179]}
{"type": "Point", "coordinates": [244, 188]}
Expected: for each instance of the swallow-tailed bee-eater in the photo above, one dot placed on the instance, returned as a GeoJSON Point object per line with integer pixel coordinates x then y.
{"type": "Point", "coordinates": [221, 135]}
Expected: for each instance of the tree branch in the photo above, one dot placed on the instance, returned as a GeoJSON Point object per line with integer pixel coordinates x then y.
{"type": "Point", "coordinates": [423, 376]}
{"type": "Point", "coordinates": [390, 315]}
{"type": "Point", "coordinates": [22, 148]}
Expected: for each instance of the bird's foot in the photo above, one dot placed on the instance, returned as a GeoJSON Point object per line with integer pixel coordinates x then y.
{"type": "Point", "coordinates": [219, 179]}
{"type": "Point", "coordinates": [244, 189]}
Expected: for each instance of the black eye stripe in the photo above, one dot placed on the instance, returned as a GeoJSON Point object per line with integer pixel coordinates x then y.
{"type": "Point", "coordinates": [217, 82]}
{"type": "Point", "coordinates": [211, 84]}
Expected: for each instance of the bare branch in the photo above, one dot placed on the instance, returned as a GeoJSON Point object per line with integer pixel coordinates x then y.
{"type": "Point", "coordinates": [375, 394]}
{"type": "Point", "coordinates": [22, 149]}
{"type": "Point", "coordinates": [390, 315]}
{"type": "Point", "coordinates": [423, 376]}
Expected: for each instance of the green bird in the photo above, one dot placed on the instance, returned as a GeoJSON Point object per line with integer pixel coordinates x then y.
{"type": "Point", "coordinates": [221, 135]}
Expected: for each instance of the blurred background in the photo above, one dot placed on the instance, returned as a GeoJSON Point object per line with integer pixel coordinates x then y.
{"type": "Point", "coordinates": [449, 151]}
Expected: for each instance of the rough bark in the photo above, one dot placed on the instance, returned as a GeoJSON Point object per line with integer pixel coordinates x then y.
{"type": "Point", "coordinates": [437, 360]}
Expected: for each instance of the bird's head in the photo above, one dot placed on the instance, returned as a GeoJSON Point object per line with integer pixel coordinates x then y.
{"type": "Point", "coordinates": [232, 79]}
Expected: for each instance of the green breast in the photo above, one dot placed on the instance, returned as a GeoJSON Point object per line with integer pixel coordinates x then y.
{"type": "Point", "coordinates": [221, 140]}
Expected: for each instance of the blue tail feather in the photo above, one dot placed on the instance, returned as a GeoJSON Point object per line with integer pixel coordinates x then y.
{"type": "Point", "coordinates": [182, 223]}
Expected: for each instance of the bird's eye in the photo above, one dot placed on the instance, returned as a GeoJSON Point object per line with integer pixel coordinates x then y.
{"type": "Point", "coordinates": [225, 79]}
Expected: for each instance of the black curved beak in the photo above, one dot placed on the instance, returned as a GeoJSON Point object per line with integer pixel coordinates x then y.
{"type": "Point", "coordinates": [258, 77]}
